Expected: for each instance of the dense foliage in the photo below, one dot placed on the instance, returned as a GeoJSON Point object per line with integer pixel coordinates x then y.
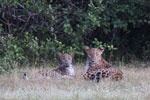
{"type": "Point", "coordinates": [35, 30]}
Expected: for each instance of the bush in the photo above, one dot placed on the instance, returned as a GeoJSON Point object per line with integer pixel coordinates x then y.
{"type": "Point", "coordinates": [16, 52]}
{"type": "Point", "coordinates": [41, 28]}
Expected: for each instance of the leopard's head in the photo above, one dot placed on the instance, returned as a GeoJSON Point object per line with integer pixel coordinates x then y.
{"type": "Point", "coordinates": [94, 55]}
{"type": "Point", "coordinates": [65, 59]}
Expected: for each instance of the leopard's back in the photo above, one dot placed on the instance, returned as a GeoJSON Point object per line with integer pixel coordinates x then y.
{"type": "Point", "coordinates": [60, 70]}
{"type": "Point", "coordinates": [54, 73]}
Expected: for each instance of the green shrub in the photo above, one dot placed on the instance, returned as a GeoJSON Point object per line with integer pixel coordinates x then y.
{"type": "Point", "coordinates": [11, 53]}
{"type": "Point", "coordinates": [16, 51]}
{"type": "Point", "coordinates": [41, 28]}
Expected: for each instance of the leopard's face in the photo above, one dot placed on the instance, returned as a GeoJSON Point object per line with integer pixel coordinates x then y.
{"type": "Point", "coordinates": [66, 59]}
{"type": "Point", "coordinates": [93, 55]}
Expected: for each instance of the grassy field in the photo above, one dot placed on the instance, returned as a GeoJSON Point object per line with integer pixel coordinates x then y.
{"type": "Point", "coordinates": [134, 86]}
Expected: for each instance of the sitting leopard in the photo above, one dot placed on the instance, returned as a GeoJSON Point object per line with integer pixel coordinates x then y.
{"type": "Point", "coordinates": [97, 68]}
{"type": "Point", "coordinates": [103, 73]}
{"type": "Point", "coordinates": [95, 59]}
{"type": "Point", "coordinates": [64, 70]}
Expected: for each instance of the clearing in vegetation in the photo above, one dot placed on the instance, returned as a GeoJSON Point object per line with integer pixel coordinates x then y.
{"type": "Point", "coordinates": [134, 86]}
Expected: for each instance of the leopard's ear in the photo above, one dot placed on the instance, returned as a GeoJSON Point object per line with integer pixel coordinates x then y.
{"type": "Point", "coordinates": [102, 49]}
{"type": "Point", "coordinates": [86, 48]}
{"type": "Point", "coordinates": [72, 54]}
{"type": "Point", "coordinates": [59, 54]}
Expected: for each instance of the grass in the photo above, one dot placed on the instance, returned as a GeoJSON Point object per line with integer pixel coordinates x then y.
{"type": "Point", "coordinates": [134, 86]}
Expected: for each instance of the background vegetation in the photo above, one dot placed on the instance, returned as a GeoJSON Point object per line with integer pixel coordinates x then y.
{"type": "Point", "coordinates": [35, 30]}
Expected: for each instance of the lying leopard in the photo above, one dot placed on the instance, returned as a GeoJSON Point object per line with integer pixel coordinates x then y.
{"type": "Point", "coordinates": [64, 70]}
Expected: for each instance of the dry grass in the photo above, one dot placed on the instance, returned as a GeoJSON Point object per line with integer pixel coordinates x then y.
{"type": "Point", "coordinates": [134, 86]}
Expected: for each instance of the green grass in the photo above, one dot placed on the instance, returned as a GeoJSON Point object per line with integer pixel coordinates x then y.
{"type": "Point", "coordinates": [134, 86]}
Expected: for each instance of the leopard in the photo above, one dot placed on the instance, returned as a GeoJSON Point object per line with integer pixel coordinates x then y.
{"type": "Point", "coordinates": [111, 73]}
{"type": "Point", "coordinates": [98, 68]}
{"type": "Point", "coordinates": [95, 59]}
{"type": "Point", "coordinates": [64, 70]}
